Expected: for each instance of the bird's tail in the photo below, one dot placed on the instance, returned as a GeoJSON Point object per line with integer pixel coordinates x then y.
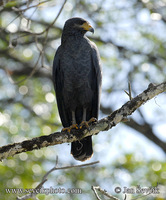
{"type": "Point", "coordinates": [82, 150]}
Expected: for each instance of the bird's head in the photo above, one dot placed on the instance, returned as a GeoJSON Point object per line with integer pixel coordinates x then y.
{"type": "Point", "coordinates": [77, 25]}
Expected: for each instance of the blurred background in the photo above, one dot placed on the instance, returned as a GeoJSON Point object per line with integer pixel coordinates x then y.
{"type": "Point", "coordinates": [131, 38]}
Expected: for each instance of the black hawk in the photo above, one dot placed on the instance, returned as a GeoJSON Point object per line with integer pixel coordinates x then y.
{"type": "Point", "coordinates": [77, 81]}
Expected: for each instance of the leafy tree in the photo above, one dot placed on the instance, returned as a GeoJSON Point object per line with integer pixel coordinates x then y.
{"type": "Point", "coordinates": [130, 36]}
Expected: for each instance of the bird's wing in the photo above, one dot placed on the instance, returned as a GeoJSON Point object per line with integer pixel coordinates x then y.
{"type": "Point", "coordinates": [58, 80]}
{"type": "Point", "coordinates": [96, 81]}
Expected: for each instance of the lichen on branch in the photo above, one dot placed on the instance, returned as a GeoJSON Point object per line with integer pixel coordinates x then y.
{"type": "Point", "coordinates": [95, 127]}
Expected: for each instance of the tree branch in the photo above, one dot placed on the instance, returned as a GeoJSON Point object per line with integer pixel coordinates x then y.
{"type": "Point", "coordinates": [44, 179]}
{"type": "Point", "coordinates": [104, 192]}
{"type": "Point", "coordinates": [144, 129]}
{"type": "Point", "coordinates": [102, 125]}
{"type": "Point", "coordinates": [147, 131]}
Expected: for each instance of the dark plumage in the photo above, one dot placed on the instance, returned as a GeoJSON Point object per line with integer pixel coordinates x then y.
{"type": "Point", "coordinates": [77, 81]}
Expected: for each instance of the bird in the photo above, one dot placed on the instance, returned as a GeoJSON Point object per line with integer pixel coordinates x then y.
{"type": "Point", "coordinates": [77, 77]}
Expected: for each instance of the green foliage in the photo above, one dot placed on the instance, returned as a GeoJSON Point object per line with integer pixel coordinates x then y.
{"type": "Point", "coordinates": [131, 40]}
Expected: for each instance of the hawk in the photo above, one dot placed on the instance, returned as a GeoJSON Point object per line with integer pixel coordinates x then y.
{"type": "Point", "coordinates": [77, 76]}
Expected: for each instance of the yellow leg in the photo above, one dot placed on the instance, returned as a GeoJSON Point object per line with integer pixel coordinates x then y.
{"type": "Point", "coordinates": [93, 119]}
{"type": "Point", "coordinates": [68, 129]}
{"type": "Point", "coordinates": [84, 123]}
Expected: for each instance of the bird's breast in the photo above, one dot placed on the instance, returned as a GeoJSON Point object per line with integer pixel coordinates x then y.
{"type": "Point", "coordinates": [76, 64]}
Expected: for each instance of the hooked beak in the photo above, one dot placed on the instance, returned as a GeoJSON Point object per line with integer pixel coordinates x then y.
{"type": "Point", "coordinates": [91, 30]}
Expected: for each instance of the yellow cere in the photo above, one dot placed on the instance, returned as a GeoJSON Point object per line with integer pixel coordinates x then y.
{"type": "Point", "coordinates": [86, 26]}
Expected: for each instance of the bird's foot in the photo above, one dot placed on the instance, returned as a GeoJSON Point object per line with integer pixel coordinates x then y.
{"type": "Point", "coordinates": [84, 123]}
{"type": "Point", "coordinates": [87, 123]}
{"type": "Point", "coordinates": [68, 129]}
{"type": "Point", "coordinates": [93, 119]}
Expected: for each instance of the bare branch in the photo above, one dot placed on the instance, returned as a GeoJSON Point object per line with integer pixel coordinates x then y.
{"type": "Point", "coordinates": [102, 125]}
{"type": "Point", "coordinates": [104, 192]}
{"type": "Point", "coordinates": [145, 128]}
{"type": "Point", "coordinates": [67, 167]}
{"type": "Point", "coordinates": [30, 75]}
{"type": "Point", "coordinates": [25, 9]}
{"type": "Point", "coordinates": [48, 27]}
{"type": "Point", "coordinates": [44, 179]}
{"type": "Point", "coordinates": [41, 54]}
{"type": "Point", "coordinates": [129, 93]}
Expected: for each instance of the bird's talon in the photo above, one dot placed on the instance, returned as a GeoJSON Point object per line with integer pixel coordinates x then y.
{"type": "Point", "coordinates": [68, 129]}
{"type": "Point", "coordinates": [93, 119]}
{"type": "Point", "coordinates": [84, 123]}
{"type": "Point", "coordinates": [74, 126]}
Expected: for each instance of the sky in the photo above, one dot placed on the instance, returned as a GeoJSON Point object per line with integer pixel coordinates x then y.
{"type": "Point", "coordinates": [111, 145]}
{"type": "Point", "coordinates": [132, 141]}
